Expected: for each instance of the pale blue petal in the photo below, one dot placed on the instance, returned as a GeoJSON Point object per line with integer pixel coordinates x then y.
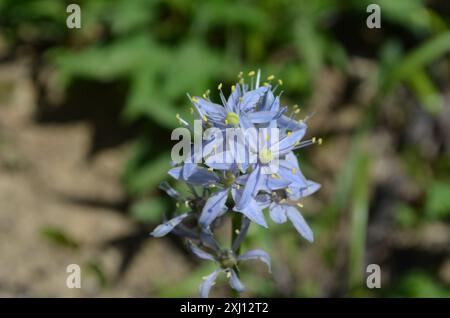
{"type": "Point", "coordinates": [168, 226]}
{"type": "Point", "coordinates": [209, 281]}
{"type": "Point", "coordinates": [233, 99]}
{"type": "Point", "coordinates": [277, 213]}
{"type": "Point", "coordinates": [175, 173]}
{"type": "Point", "coordinates": [212, 111]}
{"type": "Point", "coordinates": [257, 254]}
{"type": "Point", "coordinates": [199, 252]}
{"type": "Point", "coordinates": [251, 98]}
{"type": "Point", "coordinates": [261, 117]}
{"type": "Point", "coordinates": [235, 282]}
{"type": "Point", "coordinates": [300, 224]}
{"type": "Point", "coordinates": [214, 207]}
{"type": "Point", "coordinates": [202, 176]}
{"type": "Point", "coordinates": [287, 143]}
{"type": "Point", "coordinates": [250, 188]}
{"type": "Point", "coordinates": [253, 210]}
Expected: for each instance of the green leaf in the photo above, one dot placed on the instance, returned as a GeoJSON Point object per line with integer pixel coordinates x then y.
{"type": "Point", "coordinates": [148, 210]}
{"type": "Point", "coordinates": [59, 237]}
{"type": "Point", "coordinates": [437, 204]}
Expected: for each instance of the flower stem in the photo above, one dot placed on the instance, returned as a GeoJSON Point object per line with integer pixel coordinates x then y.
{"type": "Point", "coordinates": [236, 225]}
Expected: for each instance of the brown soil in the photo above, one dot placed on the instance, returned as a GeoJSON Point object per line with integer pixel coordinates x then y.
{"type": "Point", "coordinates": [44, 175]}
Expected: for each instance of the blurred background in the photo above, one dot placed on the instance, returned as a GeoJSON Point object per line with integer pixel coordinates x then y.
{"type": "Point", "coordinates": [85, 122]}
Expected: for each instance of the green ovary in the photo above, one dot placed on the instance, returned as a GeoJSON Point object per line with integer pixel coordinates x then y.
{"type": "Point", "coordinates": [265, 156]}
{"type": "Point", "coordinates": [232, 119]}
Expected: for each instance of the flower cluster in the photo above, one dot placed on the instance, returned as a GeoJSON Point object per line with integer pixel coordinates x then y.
{"type": "Point", "coordinates": [258, 175]}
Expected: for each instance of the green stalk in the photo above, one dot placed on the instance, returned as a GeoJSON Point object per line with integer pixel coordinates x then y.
{"type": "Point", "coordinates": [236, 225]}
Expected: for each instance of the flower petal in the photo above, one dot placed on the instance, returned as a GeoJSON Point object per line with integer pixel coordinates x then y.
{"type": "Point", "coordinates": [277, 213]}
{"type": "Point", "coordinates": [251, 98]}
{"type": "Point", "coordinates": [235, 282]}
{"type": "Point", "coordinates": [300, 224]}
{"type": "Point", "coordinates": [209, 281]}
{"type": "Point", "coordinates": [257, 254]}
{"type": "Point", "coordinates": [169, 190]}
{"type": "Point", "coordinates": [212, 111]}
{"type": "Point", "coordinates": [250, 189]}
{"type": "Point", "coordinates": [214, 207]}
{"type": "Point", "coordinates": [166, 227]}
{"type": "Point", "coordinates": [175, 173]}
{"type": "Point", "coordinates": [199, 252]}
{"type": "Point", "coordinates": [253, 210]}
{"type": "Point", "coordinates": [261, 117]}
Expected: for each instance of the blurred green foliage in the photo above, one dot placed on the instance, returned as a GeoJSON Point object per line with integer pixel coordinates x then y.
{"type": "Point", "coordinates": [163, 49]}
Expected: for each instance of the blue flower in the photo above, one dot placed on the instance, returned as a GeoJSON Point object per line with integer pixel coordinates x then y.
{"type": "Point", "coordinates": [268, 162]}
{"type": "Point", "coordinates": [227, 263]}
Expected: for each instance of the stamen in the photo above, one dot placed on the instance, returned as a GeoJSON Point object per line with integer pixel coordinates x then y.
{"type": "Point", "coordinates": [270, 77]}
{"type": "Point", "coordinates": [294, 170]}
{"type": "Point", "coordinates": [300, 205]}
{"type": "Point", "coordinates": [240, 74]}
{"type": "Point", "coordinates": [194, 99]}
{"type": "Point", "coordinates": [219, 87]}
{"type": "Point", "coordinates": [233, 88]}
{"type": "Point", "coordinates": [251, 73]}
{"type": "Point", "coordinates": [237, 231]}
{"type": "Point", "coordinates": [280, 82]}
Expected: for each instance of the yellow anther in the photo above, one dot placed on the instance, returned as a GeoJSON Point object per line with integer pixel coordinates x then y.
{"type": "Point", "coordinates": [266, 84]}
{"type": "Point", "coordinates": [205, 96]}
{"type": "Point", "coordinates": [297, 143]}
{"type": "Point", "coordinates": [270, 77]}
{"type": "Point", "coordinates": [210, 169]}
{"type": "Point", "coordinates": [295, 106]}
{"type": "Point", "coordinates": [289, 133]}
{"type": "Point", "coordinates": [280, 82]}
{"type": "Point", "coordinates": [241, 81]}
{"type": "Point", "coordinates": [275, 176]}
{"type": "Point", "coordinates": [294, 170]}
{"type": "Point", "coordinates": [233, 88]}
{"type": "Point", "coordinates": [186, 203]}
{"type": "Point", "coordinates": [237, 231]}
{"type": "Point", "coordinates": [226, 121]}
{"type": "Point", "coordinates": [228, 274]}
{"type": "Point", "coordinates": [238, 186]}
{"type": "Point", "coordinates": [212, 185]}
{"type": "Point", "coordinates": [240, 74]}
{"type": "Point", "coordinates": [282, 201]}
{"type": "Point", "coordinates": [251, 73]}
{"type": "Point", "coordinates": [219, 87]}
{"type": "Point", "coordinates": [319, 141]}
{"type": "Point", "coordinates": [297, 111]}
{"type": "Point", "coordinates": [194, 99]}
{"type": "Point", "coordinates": [205, 119]}
{"type": "Point", "coordinates": [300, 205]}
{"type": "Point", "coordinates": [314, 140]}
